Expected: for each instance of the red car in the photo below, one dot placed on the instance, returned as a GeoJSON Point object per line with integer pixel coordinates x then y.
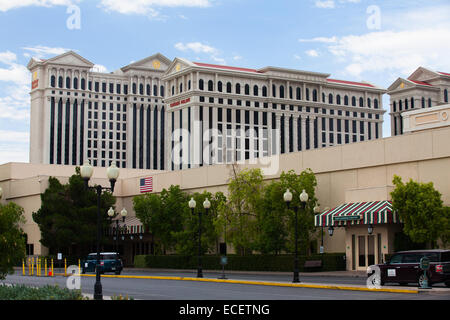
{"type": "Point", "coordinates": [404, 267]}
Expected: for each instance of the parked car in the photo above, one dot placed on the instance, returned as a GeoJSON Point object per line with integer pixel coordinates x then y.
{"type": "Point", "coordinates": [404, 267]}
{"type": "Point", "coordinates": [109, 262]}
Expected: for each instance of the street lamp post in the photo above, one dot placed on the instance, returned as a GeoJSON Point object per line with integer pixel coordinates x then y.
{"type": "Point", "coordinates": [86, 173]}
{"type": "Point", "coordinates": [192, 205]}
{"type": "Point", "coordinates": [303, 199]}
{"type": "Point", "coordinates": [111, 214]}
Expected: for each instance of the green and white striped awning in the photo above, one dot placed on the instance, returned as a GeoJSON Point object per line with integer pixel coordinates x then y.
{"type": "Point", "coordinates": [373, 212]}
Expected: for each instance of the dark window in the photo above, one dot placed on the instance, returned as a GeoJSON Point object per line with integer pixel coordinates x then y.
{"type": "Point", "coordinates": [423, 102]}
{"type": "Point", "coordinates": [75, 83]}
{"type": "Point", "coordinates": [118, 88]}
{"type": "Point", "coordinates": [429, 103]}
{"type": "Point", "coordinates": [141, 89]}
{"type": "Point", "coordinates": [68, 83]}
{"type": "Point", "coordinates": [255, 90]}
{"type": "Point", "coordinates": [375, 103]}
{"type": "Point", "coordinates": [161, 91]}
{"type": "Point", "coordinates": [53, 81]}
{"type": "Point", "coordinates": [264, 91]}
{"type": "Point", "coordinates": [228, 87]}
{"type": "Point", "coordinates": [219, 86]}
{"type": "Point", "coordinates": [83, 84]}
{"type": "Point", "coordinates": [299, 94]}
{"type": "Point", "coordinates": [338, 99]}
{"type": "Point", "coordinates": [282, 92]}
{"type": "Point", "coordinates": [60, 82]}
{"type": "Point", "coordinates": [97, 86]}
{"type": "Point", "coordinates": [307, 94]}
{"type": "Point", "coordinates": [103, 87]}
{"type": "Point", "coordinates": [361, 102]}
{"type": "Point", "coordinates": [314, 95]}
{"type": "Point", "coordinates": [274, 91]}
{"type": "Point", "coordinates": [201, 85]}
{"type": "Point", "coordinates": [445, 95]}
{"type": "Point", "coordinates": [210, 85]}
{"type": "Point", "coordinates": [353, 102]}
{"type": "Point", "coordinates": [247, 89]}
{"type": "Point", "coordinates": [346, 100]}
{"type": "Point", "coordinates": [330, 98]}
{"type": "Point", "coordinates": [238, 88]}
{"type": "Point", "coordinates": [149, 90]}
{"type": "Point", "coordinates": [412, 103]}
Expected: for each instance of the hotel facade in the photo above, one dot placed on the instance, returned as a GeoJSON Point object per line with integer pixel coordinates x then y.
{"type": "Point", "coordinates": [424, 88]}
{"type": "Point", "coordinates": [171, 115]}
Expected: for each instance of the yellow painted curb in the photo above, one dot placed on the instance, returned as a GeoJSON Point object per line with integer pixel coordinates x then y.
{"type": "Point", "coordinates": [264, 283]}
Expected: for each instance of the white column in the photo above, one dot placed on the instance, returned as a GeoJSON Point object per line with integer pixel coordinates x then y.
{"type": "Point", "coordinates": [311, 132]}
{"type": "Point", "coordinates": [45, 141]}
{"type": "Point", "coordinates": [277, 147]}
{"type": "Point", "coordinates": [295, 132]}
{"type": "Point", "coordinates": [129, 135]}
{"type": "Point", "coordinates": [319, 132]}
{"type": "Point", "coordinates": [303, 129]}
{"type": "Point", "coordinates": [287, 141]}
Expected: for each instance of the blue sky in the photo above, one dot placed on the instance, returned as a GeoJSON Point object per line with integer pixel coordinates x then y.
{"type": "Point", "coordinates": [370, 40]}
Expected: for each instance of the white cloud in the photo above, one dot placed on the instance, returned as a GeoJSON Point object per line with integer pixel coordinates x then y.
{"type": "Point", "coordinates": [147, 7]}
{"type": "Point", "coordinates": [14, 136]}
{"type": "Point", "coordinates": [312, 53]}
{"type": "Point", "coordinates": [325, 4]}
{"type": "Point", "coordinates": [331, 4]}
{"type": "Point", "coordinates": [6, 5]}
{"type": "Point", "coordinates": [197, 47]}
{"type": "Point", "coordinates": [43, 51]}
{"type": "Point", "coordinates": [320, 39]}
{"type": "Point", "coordinates": [99, 68]}
{"type": "Point", "coordinates": [399, 48]}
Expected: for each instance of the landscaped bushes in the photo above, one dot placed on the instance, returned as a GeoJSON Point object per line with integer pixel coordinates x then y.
{"type": "Point", "coordinates": [21, 292]}
{"type": "Point", "coordinates": [282, 263]}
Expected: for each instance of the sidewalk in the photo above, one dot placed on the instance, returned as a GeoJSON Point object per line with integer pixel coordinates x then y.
{"type": "Point", "coordinates": [355, 274]}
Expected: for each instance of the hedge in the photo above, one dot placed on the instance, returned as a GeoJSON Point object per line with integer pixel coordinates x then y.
{"type": "Point", "coordinates": [21, 292]}
{"type": "Point", "coordinates": [281, 263]}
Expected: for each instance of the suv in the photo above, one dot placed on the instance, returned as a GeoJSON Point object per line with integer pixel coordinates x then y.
{"type": "Point", "coordinates": [404, 267]}
{"type": "Point", "coordinates": [109, 262]}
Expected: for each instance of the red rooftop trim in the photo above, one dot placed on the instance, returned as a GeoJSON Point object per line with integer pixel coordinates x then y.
{"type": "Point", "coordinates": [351, 83]}
{"type": "Point", "coordinates": [225, 67]}
{"type": "Point", "coordinates": [421, 82]}
{"type": "Point", "coordinates": [444, 73]}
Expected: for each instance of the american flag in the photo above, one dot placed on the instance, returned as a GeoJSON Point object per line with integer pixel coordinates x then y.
{"type": "Point", "coordinates": [146, 185]}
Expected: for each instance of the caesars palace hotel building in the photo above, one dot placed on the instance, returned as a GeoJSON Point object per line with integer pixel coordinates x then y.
{"type": "Point", "coordinates": [161, 114]}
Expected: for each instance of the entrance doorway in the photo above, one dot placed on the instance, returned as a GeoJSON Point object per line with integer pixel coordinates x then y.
{"type": "Point", "coordinates": [365, 251]}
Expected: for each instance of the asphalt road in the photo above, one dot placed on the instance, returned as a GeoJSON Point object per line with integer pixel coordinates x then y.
{"type": "Point", "coordinates": [150, 289]}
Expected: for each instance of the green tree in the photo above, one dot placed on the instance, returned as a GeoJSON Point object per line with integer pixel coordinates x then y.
{"type": "Point", "coordinates": [68, 215]}
{"type": "Point", "coordinates": [239, 213]}
{"type": "Point", "coordinates": [162, 214]}
{"type": "Point", "coordinates": [187, 238]}
{"type": "Point", "coordinates": [277, 224]}
{"type": "Point", "coordinates": [421, 209]}
{"type": "Point", "coordinates": [12, 241]}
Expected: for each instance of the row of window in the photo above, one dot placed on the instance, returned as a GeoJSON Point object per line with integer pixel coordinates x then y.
{"type": "Point", "coordinates": [406, 104]}
{"type": "Point", "coordinates": [147, 90]}
{"type": "Point", "coordinates": [281, 93]}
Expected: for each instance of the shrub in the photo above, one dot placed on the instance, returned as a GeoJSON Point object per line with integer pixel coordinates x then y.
{"type": "Point", "coordinates": [281, 263]}
{"type": "Point", "coordinates": [21, 292]}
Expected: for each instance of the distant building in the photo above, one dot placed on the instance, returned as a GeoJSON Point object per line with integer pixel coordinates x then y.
{"type": "Point", "coordinates": [424, 88]}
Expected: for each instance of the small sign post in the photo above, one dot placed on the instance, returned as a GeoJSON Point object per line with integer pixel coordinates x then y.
{"type": "Point", "coordinates": [223, 262]}
{"type": "Point", "coordinates": [425, 265]}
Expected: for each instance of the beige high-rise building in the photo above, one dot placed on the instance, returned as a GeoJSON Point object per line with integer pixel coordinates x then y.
{"type": "Point", "coordinates": [139, 115]}
{"type": "Point", "coordinates": [424, 88]}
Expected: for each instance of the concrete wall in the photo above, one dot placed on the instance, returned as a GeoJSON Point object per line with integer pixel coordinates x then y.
{"type": "Point", "coordinates": [356, 172]}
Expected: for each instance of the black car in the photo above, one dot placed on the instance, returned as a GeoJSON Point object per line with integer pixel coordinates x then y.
{"type": "Point", "coordinates": [109, 262]}
{"type": "Point", "coordinates": [404, 267]}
